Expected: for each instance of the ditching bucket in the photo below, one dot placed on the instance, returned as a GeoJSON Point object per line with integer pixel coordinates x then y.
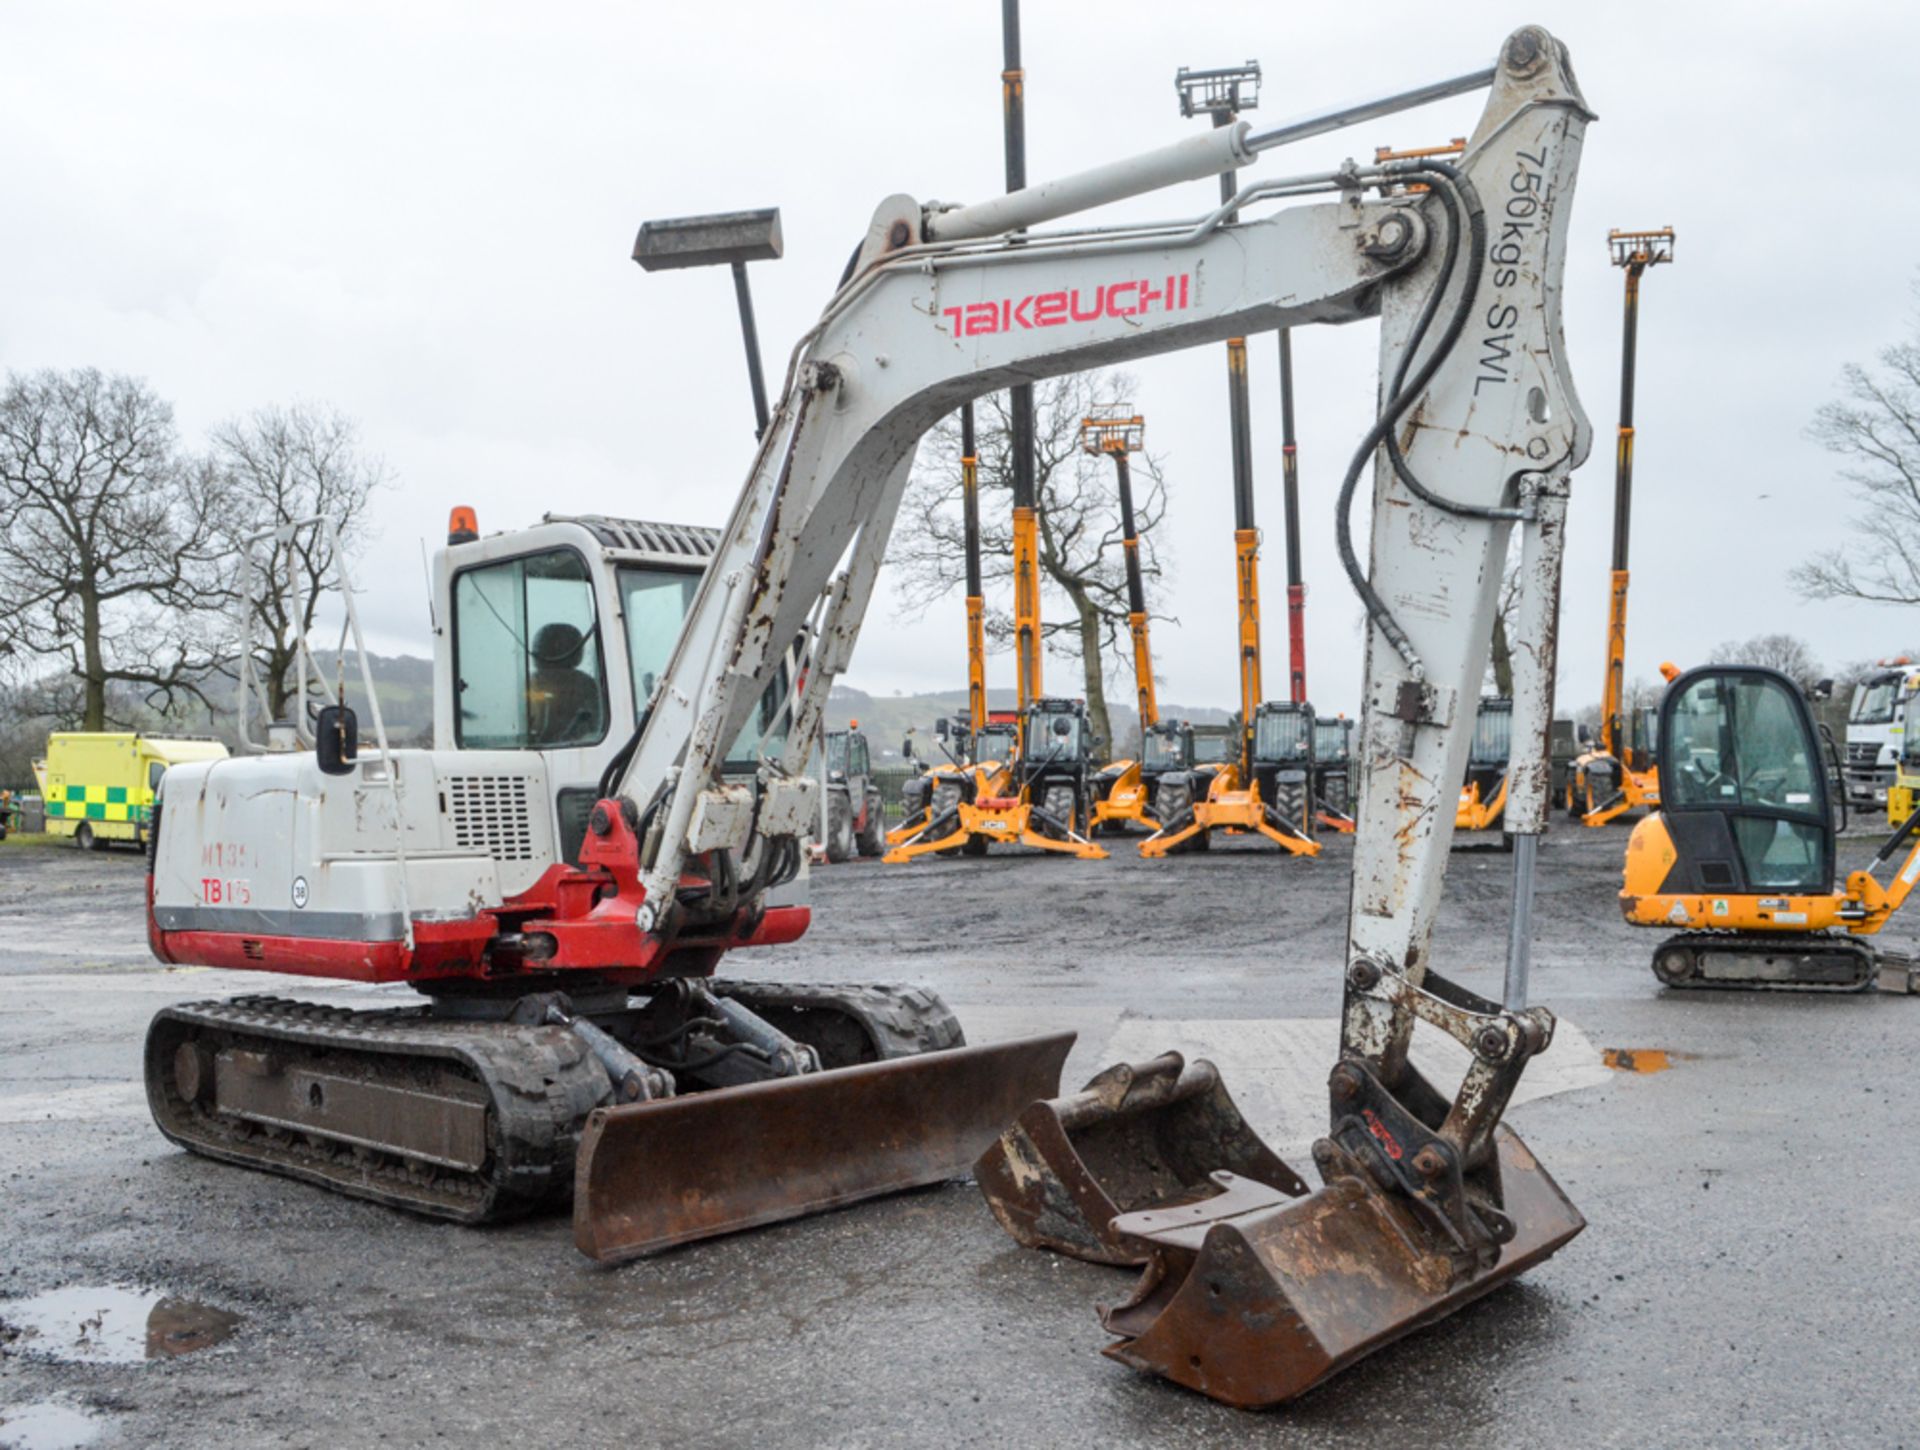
{"type": "Point", "coordinates": [653, 1175]}
{"type": "Point", "coordinates": [1138, 1136]}
{"type": "Point", "coordinates": [1254, 1297]}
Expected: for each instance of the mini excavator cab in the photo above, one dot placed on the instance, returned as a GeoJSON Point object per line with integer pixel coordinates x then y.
{"type": "Point", "coordinates": [1745, 797]}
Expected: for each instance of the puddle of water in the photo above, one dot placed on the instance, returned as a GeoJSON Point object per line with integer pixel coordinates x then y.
{"type": "Point", "coordinates": [47, 1425]}
{"type": "Point", "coordinates": [110, 1324]}
{"type": "Point", "coordinates": [1642, 1059]}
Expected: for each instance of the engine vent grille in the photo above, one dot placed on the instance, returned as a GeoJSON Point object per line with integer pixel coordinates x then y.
{"type": "Point", "coordinates": [490, 814]}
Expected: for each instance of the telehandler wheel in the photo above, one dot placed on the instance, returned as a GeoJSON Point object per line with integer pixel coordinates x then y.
{"type": "Point", "coordinates": [1058, 802]}
{"type": "Point", "coordinates": [871, 839]}
{"type": "Point", "coordinates": [839, 842]}
{"type": "Point", "coordinates": [946, 800]}
{"type": "Point", "coordinates": [1290, 804]}
{"type": "Point", "coordinates": [1172, 798]}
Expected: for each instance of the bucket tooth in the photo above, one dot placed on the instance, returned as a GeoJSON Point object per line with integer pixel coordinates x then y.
{"type": "Point", "coordinates": [1254, 1297]}
{"type": "Point", "coordinates": [1138, 1136]}
{"type": "Point", "coordinates": [654, 1175]}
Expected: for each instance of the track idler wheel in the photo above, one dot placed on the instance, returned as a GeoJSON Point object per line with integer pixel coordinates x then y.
{"type": "Point", "coordinates": [1675, 963]}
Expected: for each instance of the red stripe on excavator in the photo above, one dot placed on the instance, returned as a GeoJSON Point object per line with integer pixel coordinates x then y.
{"type": "Point", "coordinates": [445, 950]}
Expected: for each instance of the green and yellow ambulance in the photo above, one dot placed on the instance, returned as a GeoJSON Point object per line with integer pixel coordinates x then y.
{"type": "Point", "coordinates": [99, 786]}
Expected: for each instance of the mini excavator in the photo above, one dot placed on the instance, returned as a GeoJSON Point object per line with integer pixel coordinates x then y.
{"type": "Point", "coordinates": [1740, 855]}
{"type": "Point", "coordinates": [576, 1031]}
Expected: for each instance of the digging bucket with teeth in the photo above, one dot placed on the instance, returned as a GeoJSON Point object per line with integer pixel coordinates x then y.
{"type": "Point", "coordinates": [652, 1175]}
{"type": "Point", "coordinates": [1139, 1136]}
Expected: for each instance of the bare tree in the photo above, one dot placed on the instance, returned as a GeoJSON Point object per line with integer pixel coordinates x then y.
{"type": "Point", "coordinates": [109, 559]}
{"type": "Point", "coordinates": [1875, 425]}
{"type": "Point", "coordinates": [1081, 557]}
{"type": "Point", "coordinates": [1500, 658]}
{"type": "Point", "coordinates": [279, 465]}
{"type": "Point", "coordinates": [1783, 652]}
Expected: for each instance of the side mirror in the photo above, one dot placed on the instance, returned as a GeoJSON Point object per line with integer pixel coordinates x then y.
{"type": "Point", "coordinates": [336, 740]}
{"type": "Point", "coordinates": [1822, 690]}
{"type": "Point", "coordinates": [943, 728]}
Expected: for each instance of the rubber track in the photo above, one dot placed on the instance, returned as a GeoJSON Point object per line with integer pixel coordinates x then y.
{"type": "Point", "coordinates": [541, 1082]}
{"type": "Point", "coordinates": [1736, 943]}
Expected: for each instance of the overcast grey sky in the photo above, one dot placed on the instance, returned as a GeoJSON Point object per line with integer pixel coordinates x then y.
{"type": "Point", "coordinates": [423, 214]}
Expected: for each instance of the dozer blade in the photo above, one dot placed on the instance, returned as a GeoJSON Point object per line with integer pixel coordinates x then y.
{"type": "Point", "coordinates": [1138, 1136]}
{"type": "Point", "coordinates": [1253, 1298]}
{"type": "Point", "coordinates": [656, 1174]}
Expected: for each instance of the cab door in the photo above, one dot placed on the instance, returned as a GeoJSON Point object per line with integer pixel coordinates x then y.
{"type": "Point", "coordinates": [1743, 785]}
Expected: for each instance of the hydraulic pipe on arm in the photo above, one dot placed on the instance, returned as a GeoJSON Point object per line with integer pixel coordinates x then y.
{"type": "Point", "coordinates": [976, 598]}
{"type": "Point", "coordinates": [1633, 252]}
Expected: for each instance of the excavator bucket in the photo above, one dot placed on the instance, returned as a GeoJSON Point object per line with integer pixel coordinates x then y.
{"type": "Point", "coordinates": [1254, 1296]}
{"type": "Point", "coordinates": [657, 1174]}
{"type": "Point", "coordinates": [1138, 1136]}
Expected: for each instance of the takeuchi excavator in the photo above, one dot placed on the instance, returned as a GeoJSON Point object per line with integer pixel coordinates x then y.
{"type": "Point", "coordinates": [576, 1030]}
{"type": "Point", "coordinates": [1740, 856]}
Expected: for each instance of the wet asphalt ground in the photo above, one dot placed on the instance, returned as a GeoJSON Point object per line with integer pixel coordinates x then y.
{"type": "Point", "coordinates": [1748, 1276]}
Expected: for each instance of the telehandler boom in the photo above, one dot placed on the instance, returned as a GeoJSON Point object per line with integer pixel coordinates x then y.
{"type": "Point", "coordinates": [579, 1005]}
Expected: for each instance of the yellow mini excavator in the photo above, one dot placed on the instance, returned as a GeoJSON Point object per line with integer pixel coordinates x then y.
{"type": "Point", "coordinates": [1740, 856]}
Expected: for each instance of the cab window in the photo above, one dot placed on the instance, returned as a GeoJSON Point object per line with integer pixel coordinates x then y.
{"type": "Point", "coordinates": [655, 602]}
{"type": "Point", "coordinates": [527, 663]}
{"type": "Point", "coordinates": [1739, 744]}
{"type": "Point", "coordinates": [1493, 734]}
{"type": "Point", "coordinates": [1161, 752]}
{"type": "Point", "coordinates": [1214, 749]}
{"type": "Point", "coordinates": [1282, 735]}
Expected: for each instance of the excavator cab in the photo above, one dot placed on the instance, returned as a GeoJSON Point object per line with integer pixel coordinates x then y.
{"type": "Point", "coordinates": [1745, 795]}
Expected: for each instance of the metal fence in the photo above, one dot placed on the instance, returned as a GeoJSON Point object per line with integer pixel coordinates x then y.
{"type": "Point", "coordinates": [890, 779]}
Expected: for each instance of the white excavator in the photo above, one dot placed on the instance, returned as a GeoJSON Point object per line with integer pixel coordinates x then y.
{"type": "Point", "coordinates": [574, 1034]}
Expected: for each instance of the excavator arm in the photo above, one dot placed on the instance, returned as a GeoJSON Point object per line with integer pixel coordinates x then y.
{"type": "Point", "coordinates": [941, 306]}
{"type": "Point", "coordinates": [1427, 1201]}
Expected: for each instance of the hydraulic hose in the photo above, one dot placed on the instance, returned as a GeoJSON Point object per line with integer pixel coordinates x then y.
{"type": "Point", "coordinates": [1455, 194]}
